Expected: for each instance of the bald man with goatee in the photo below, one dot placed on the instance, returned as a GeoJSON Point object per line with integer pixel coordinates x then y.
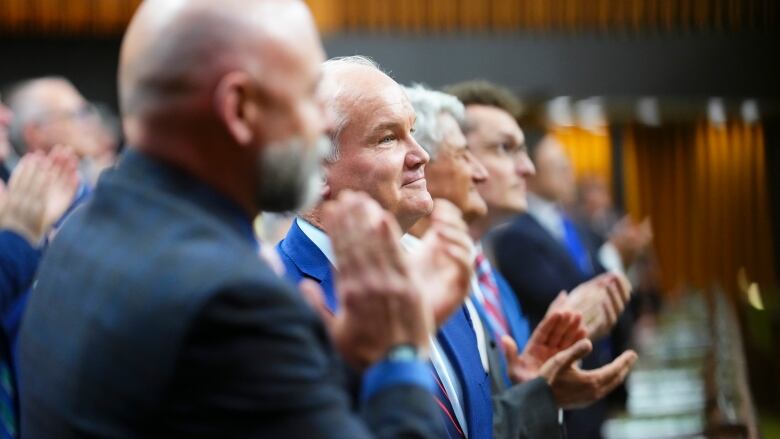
{"type": "Point", "coordinates": [153, 316]}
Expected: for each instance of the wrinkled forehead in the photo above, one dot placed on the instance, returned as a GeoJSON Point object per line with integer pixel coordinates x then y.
{"type": "Point", "coordinates": [370, 98]}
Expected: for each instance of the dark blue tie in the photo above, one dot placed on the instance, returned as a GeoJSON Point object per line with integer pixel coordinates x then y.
{"type": "Point", "coordinates": [576, 248]}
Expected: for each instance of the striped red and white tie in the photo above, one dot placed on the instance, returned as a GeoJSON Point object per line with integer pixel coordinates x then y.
{"type": "Point", "coordinates": [490, 299]}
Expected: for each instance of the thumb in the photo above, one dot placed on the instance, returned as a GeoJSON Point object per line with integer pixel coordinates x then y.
{"type": "Point", "coordinates": [564, 359]}
{"type": "Point", "coordinates": [315, 297]}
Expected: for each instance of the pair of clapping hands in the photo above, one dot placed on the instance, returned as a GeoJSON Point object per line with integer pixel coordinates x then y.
{"type": "Point", "coordinates": [389, 297]}
{"type": "Point", "coordinates": [39, 192]}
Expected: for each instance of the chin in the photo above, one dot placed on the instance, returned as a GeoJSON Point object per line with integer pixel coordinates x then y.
{"type": "Point", "coordinates": [420, 205]}
{"type": "Point", "coordinates": [521, 207]}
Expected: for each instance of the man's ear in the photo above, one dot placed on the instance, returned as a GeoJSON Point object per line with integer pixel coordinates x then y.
{"type": "Point", "coordinates": [325, 191]}
{"type": "Point", "coordinates": [236, 107]}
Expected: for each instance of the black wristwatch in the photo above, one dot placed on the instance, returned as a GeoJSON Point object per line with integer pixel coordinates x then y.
{"type": "Point", "coordinates": [403, 353]}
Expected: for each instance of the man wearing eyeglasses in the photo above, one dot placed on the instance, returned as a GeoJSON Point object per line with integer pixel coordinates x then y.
{"type": "Point", "coordinates": [50, 111]}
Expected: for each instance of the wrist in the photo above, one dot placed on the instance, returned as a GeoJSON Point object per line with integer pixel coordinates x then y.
{"type": "Point", "coordinates": [406, 353]}
{"type": "Point", "coordinates": [21, 229]}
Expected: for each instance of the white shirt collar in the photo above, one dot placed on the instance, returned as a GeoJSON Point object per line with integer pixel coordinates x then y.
{"type": "Point", "coordinates": [548, 215]}
{"type": "Point", "coordinates": [319, 238]}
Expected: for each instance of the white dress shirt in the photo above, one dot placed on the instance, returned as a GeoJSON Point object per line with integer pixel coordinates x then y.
{"type": "Point", "coordinates": [441, 363]}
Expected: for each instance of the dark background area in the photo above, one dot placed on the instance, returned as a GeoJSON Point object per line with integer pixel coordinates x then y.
{"type": "Point", "coordinates": [692, 65]}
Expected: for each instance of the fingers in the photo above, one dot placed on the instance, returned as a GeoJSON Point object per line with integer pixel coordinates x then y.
{"type": "Point", "coordinates": [574, 332]}
{"type": "Point", "coordinates": [606, 378]}
{"type": "Point", "coordinates": [627, 361]}
{"type": "Point", "coordinates": [564, 359]}
{"type": "Point", "coordinates": [510, 348]}
{"type": "Point", "coordinates": [446, 213]}
{"type": "Point", "coordinates": [614, 300]}
{"type": "Point", "coordinates": [544, 331]}
{"type": "Point", "coordinates": [624, 285]}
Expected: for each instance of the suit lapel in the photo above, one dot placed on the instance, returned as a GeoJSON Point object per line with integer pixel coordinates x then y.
{"type": "Point", "coordinates": [553, 248]}
{"type": "Point", "coordinates": [458, 340]}
{"type": "Point", "coordinates": [310, 260]}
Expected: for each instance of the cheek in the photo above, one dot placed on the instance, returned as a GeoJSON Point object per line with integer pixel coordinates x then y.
{"type": "Point", "coordinates": [367, 173]}
{"type": "Point", "coordinates": [496, 183]}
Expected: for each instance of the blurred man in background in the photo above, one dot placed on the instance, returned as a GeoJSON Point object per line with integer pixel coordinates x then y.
{"type": "Point", "coordinates": [50, 111]}
{"type": "Point", "coordinates": [40, 190]}
{"type": "Point", "coordinates": [5, 144]}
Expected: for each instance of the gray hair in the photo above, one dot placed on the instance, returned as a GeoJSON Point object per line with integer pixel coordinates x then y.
{"type": "Point", "coordinates": [25, 109]}
{"type": "Point", "coordinates": [336, 97]}
{"type": "Point", "coordinates": [429, 104]}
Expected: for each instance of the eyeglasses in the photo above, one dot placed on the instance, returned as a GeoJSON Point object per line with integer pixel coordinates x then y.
{"type": "Point", "coordinates": [83, 112]}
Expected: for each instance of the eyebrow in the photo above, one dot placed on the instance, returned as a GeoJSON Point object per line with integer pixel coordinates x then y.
{"type": "Point", "coordinates": [390, 126]}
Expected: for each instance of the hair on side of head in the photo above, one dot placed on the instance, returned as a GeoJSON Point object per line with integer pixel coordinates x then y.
{"type": "Point", "coordinates": [481, 92]}
{"type": "Point", "coordinates": [428, 105]}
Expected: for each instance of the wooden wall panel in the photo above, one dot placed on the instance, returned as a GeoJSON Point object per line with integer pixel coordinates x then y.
{"type": "Point", "coordinates": [97, 17]}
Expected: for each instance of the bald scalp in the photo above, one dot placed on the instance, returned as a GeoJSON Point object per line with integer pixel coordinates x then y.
{"type": "Point", "coordinates": [179, 48]}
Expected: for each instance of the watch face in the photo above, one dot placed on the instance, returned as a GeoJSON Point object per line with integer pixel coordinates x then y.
{"type": "Point", "coordinates": [405, 352]}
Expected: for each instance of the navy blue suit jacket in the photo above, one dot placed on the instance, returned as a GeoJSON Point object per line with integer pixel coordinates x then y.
{"type": "Point", "coordinates": [303, 259]}
{"type": "Point", "coordinates": [538, 267]}
{"type": "Point", "coordinates": [153, 316]}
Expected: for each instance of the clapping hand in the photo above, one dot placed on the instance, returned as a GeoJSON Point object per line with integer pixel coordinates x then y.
{"type": "Point", "coordinates": [380, 304]}
{"type": "Point", "coordinates": [600, 300]}
{"type": "Point", "coordinates": [40, 190]}
{"type": "Point", "coordinates": [444, 263]}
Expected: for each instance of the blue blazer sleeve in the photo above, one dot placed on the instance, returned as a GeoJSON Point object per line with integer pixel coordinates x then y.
{"type": "Point", "coordinates": [18, 263]}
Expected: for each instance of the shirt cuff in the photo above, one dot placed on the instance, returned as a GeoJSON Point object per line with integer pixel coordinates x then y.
{"type": "Point", "coordinates": [389, 373]}
{"type": "Point", "coordinates": [609, 257]}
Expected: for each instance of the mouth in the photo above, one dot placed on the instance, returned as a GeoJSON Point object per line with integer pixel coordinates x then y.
{"type": "Point", "coordinates": [414, 180]}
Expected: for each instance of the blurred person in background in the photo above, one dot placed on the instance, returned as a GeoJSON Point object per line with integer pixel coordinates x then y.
{"type": "Point", "coordinates": [5, 144]}
{"type": "Point", "coordinates": [495, 138]}
{"type": "Point", "coordinates": [455, 174]}
{"type": "Point", "coordinates": [594, 206]}
{"type": "Point", "coordinates": [50, 111]}
{"type": "Point", "coordinates": [105, 128]}
{"type": "Point", "coordinates": [152, 315]}
{"type": "Point", "coordinates": [39, 191]}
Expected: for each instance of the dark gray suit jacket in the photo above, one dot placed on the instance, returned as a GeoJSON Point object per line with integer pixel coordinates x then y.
{"type": "Point", "coordinates": [526, 410]}
{"type": "Point", "coordinates": [153, 317]}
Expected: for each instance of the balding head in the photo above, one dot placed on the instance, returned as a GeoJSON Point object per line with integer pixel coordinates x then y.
{"type": "Point", "coordinates": [49, 111]}
{"type": "Point", "coordinates": [373, 128]}
{"type": "Point", "coordinates": [212, 86]}
{"type": "Point", "coordinates": [177, 47]}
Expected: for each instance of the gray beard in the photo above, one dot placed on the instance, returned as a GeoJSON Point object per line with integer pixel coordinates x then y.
{"type": "Point", "coordinates": [291, 175]}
